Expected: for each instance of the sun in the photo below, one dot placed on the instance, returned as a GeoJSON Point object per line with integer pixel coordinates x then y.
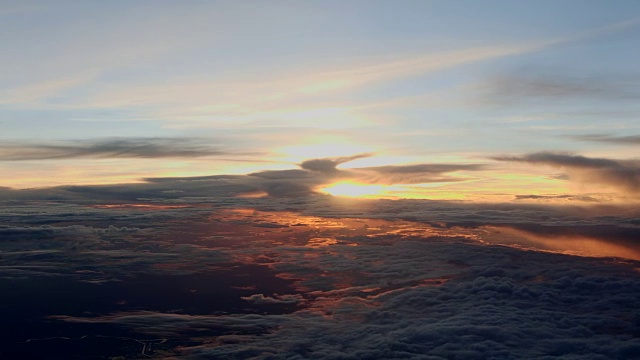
{"type": "Point", "coordinates": [353, 189]}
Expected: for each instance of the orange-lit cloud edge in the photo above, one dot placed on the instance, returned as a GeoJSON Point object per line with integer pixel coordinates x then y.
{"type": "Point", "coordinates": [338, 166]}
{"type": "Point", "coordinates": [495, 182]}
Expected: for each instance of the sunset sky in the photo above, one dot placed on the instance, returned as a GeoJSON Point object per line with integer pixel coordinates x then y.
{"type": "Point", "coordinates": [484, 101]}
{"type": "Point", "coordinates": [319, 179]}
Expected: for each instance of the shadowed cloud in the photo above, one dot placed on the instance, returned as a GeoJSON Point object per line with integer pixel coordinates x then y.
{"type": "Point", "coordinates": [329, 164]}
{"type": "Point", "coordinates": [317, 172]}
{"type": "Point", "coordinates": [622, 174]}
{"type": "Point", "coordinates": [304, 181]}
{"type": "Point", "coordinates": [560, 159]}
{"type": "Point", "coordinates": [610, 139]}
{"type": "Point", "coordinates": [414, 174]}
{"type": "Point", "coordinates": [540, 84]}
{"type": "Point", "coordinates": [584, 198]}
{"type": "Point", "coordinates": [111, 148]}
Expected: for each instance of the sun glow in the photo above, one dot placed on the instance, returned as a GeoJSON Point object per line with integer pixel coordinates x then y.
{"type": "Point", "coordinates": [323, 147]}
{"type": "Point", "coordinates": [353, 189]}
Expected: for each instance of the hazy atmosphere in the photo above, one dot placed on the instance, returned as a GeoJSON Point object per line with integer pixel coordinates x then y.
{"type": "Point", "coordinates": [320, 179]}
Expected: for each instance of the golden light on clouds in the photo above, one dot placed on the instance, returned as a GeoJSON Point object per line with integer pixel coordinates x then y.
{"type": "Point", "coordinates": [573, 244]}
{"type": "Point", "coordinates": [381, 159]}
{"type": "Point", "coordinates": [353, 189]}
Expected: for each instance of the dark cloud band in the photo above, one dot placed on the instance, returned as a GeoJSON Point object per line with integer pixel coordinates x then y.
{"type": "Point", "coordinates": [111, 148]}
{"type": "Point", "coordinates": [621, 174]}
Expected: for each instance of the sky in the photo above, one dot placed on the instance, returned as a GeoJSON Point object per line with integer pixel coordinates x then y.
{"type": "Point", "coordinates": [319, 179]}
{"type": "Point", "coordinates": [96, 93]}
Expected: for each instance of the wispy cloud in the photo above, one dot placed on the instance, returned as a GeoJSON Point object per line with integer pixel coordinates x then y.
{"type": "Point", "coordinates": [528, 85]}
{"type": "Point", "coordinates": [413, 174]}
{"type": "Point", "coordinates": [84, 60]}
{"type": "Point", "coordinates": [307, 97]}
{"type": "Point", "coordinates": [40, 91]}
{"type": "Point", "coordinates": [533, 83]}
{"type": "Point", "coordinates": [621, 174]}
{"type": "Point", "coordinates": [111, 148]}
{"type": "Point", "coordinates": [596, 34]}
{"type": "Point", "coordinates": [567, 197]}
{"type": "Point", "coordinates": [610, 139]}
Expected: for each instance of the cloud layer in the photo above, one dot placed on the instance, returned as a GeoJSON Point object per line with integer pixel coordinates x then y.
{"type": "Point", "coordinates": [183, 263]}
{"type": "Point", "coordinates": [111, 148]}
{"type": "Point", "coordinates": [404, 290]}
{"type": "Point", "coordinates": [621, 174]}
{"type": "Point", "coordinates": [610, 139]}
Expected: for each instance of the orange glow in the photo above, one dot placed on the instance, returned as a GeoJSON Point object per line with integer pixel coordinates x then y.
{"type": "Point", "coordinates": [320, 242]}
{"type": "Point", "coordinates": [253, 195]}
{"type": "Point", "coordinates": [353, 189]}
{"type": "Point", "coordinates": [565, 244]}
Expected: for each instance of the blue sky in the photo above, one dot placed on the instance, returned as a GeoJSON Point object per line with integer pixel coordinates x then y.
{"type": "Point", "coordinates": [456, 179]}
{"type": "Point", "coordinates": [270, 84]}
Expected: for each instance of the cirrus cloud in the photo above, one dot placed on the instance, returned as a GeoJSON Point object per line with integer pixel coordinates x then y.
{"type": "Point", "coordinates": [111, 148]}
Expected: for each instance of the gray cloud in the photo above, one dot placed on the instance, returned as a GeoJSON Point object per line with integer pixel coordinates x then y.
{"type": "Point", "coordinates": [584, 198]}
{"type": "Point", "coordinates": [622, 174]}
{"type": "Point", "coordinates": [276, 299]}
{"type": "Point", "coordinates": [329, 164]}
{"type": "Point", "coordinates": [610, 139]}
{"type": "Point", "coordinates": [545, 85]}
{"type": "Point", "coordinates": [317, 172]}
{"type": "Point", "coordinates": [304, 181]}
{"type": "Point", "coordinates": [413, 174]}
{"type": "Point", "coordinates": [111, 148]}
{"type": "Point", "coordinates": [423, 285]}
{"type": "Point", "coordinates": [560, 159]}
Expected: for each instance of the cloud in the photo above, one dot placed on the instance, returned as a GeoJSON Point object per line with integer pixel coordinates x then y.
{"type": "Point", "coordinates": [584, 239]}
{"type": "Point", "coordinates": [309, 96]}
{"type": "Point", "coordinates": [314, 173]}
{"type": "Point", "coordinates": [317, 172]}
{"type": "Point", "coordinates": [111, 148]}
{"type": "Point", "coordinates": [132, 41]}
{"type": "Point", "coordinates": [33, 93]}
{"type": "Point", "coordinates": [413, 174]}
{"type": "Point", "coordinates": [584, 198]}
{"type": "Point", "coordinates": [276, 299]}
{"type": "Point", "coordinates": [548, 86]}
{"type": "Point", "coordinates": [604, 31]}
{"type": "Point", "coordinates": [621, 174]}
{"type": "Point", "coordinates": [610, 139]}
{"type": "Point", "coordinates": [304, 181]}
{"type": "Point", "coordinates": [557, 86]}
{"type": "Point", "coordinates": [561, 160]}
{"type": "Point", "coordinates": [501, 303]}
{"type": "Point", "coordinates": [406, 278]}
{"type": "Point", "coordinates": [328, 165]}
